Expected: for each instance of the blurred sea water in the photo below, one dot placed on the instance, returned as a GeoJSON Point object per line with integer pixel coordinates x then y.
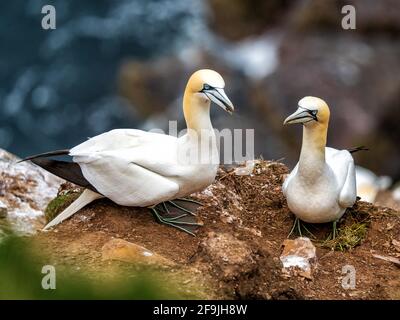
{"type": "Point", "coordinates": [58, 87]}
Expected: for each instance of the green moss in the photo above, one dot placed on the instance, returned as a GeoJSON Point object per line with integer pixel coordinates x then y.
{"type": "Point", "coordinates": [349, 236]}
{"type": "Point", "coordinates": [352, 228]}
{"type": "Point", "coordinates": [59, 203]}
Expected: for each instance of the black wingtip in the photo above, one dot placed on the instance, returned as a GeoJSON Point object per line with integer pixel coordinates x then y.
{"type": "Point", "coordinates": [55, 153]}
{"type": "Point", "coordinates": [69, 171]}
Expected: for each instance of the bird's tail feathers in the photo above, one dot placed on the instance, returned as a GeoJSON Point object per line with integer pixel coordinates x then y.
{"type": "Point", "coordinates": [46, 155]}
{"type": "Point", "coordinates": [360, 148]}
{"type": "Point", "coordinates": [84, 199]}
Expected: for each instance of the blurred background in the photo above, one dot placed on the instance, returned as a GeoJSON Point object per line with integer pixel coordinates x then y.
{"type": "Point", "coordinates": [114, 64]}
{"type": "Point", "coordinates": [125, 63]}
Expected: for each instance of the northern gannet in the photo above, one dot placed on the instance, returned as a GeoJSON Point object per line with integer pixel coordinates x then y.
{"type": "Point", "coordinates": [144, 169]}
{"type": "Point", "coordinates": [369, 184]}
{"type": "Point", "coordinates": [323, 183]}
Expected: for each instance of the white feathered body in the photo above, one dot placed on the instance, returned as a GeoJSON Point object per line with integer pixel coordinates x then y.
{"type": "Point", "coordinates": [321, 193]}
{"type": "Point", "coordinates": [137, 168]}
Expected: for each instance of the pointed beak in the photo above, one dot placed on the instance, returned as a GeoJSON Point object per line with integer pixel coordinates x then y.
{"type": "Point", "coordinates": [218, 96]}
{"type": "Point", "coordinates": [301, 115]}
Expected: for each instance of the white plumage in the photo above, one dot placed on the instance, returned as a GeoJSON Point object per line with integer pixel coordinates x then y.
{"type": "Point", "coordinates": [323, 183]}
{"type": "Point", "coordinates": [369, 184]}
{"type": "Point", "coordinates": [137, 168]}
{"type": "Point", "coordinates": [323, 197]}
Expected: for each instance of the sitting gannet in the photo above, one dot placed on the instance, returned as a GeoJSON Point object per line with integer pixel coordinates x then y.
{"type": "Point", "coordinates": [137, 168]}
{"type": "Point", "coordinates": [323, 183]}
{"type": "Point", "coordinates": [369, 184]}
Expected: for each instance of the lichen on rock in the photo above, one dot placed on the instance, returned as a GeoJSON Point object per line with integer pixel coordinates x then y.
{"type": "Point", "coordinates": [67, 193]}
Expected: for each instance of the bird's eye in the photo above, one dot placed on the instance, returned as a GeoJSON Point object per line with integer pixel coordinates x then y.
{"type": "Point", "coordinates": [314, 112]}
{"type": "Point", "coordinates": [206, 87]}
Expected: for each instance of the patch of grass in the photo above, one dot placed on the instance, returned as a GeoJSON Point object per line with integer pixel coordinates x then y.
{"type": "Point", "coordinates": [352, 229]}
{"type": "Point", "coordinates": [59, 203]}
{"type": "Point", "coordinates": [349, 236]}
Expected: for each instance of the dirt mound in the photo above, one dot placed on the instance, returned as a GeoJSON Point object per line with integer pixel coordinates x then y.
{"type": "Point", "coordinates": [236, 253]}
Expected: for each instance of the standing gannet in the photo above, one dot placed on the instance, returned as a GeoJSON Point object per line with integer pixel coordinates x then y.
{"type": "Point", "coordinates": [323, 183]}
{"type": "Point", "coordinates": [137, 168]}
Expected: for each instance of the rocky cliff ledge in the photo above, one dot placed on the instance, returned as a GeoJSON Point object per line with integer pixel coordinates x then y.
{"type": "Point", "coordinates": [236, 254]}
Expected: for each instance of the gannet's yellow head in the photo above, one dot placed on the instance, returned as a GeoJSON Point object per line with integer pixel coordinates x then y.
{"type": "Point", "coordinates": [208, 85]}
{"type": "Point", "coordinates": [311, 111]}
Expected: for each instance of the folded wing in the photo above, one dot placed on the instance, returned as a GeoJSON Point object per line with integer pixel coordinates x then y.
{"type": "Point", "coordinates": [130, 167]}
{"type": "Point", "coordinates": [342, 164]}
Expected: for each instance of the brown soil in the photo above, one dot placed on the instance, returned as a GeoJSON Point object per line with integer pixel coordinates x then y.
{"type": "Point", "coordinates": [235, 255]}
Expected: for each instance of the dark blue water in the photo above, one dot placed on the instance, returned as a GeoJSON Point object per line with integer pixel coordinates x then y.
{"type": "Point", "coordinates": [58, 87]}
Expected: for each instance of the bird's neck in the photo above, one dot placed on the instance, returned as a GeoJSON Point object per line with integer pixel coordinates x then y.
{"type": "Point", "coordinates": [312, 156]}
{"type": "Point", "coordinates": [200, 138]}
{"type": "Point", "coordinates": [197, 113]}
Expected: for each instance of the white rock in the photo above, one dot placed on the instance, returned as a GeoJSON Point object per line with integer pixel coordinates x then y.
{"type": "Point", "coordinates": [298, 255]}
{"type": "Point", "coordinates": [247, 169]}
{"type": "Point", "coordinates": [122, 250]}
{"type": "Point", "coordinates": [25, 189]}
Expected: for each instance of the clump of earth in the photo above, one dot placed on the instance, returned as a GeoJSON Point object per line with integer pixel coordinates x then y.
{"type": "Point", "coordinates": [236, 253]}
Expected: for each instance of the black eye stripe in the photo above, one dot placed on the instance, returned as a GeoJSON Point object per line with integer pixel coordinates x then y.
{"type": "Point", "coordinates": [313, 112]}
{"type": "Point", "coordinates": [207, 87]}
